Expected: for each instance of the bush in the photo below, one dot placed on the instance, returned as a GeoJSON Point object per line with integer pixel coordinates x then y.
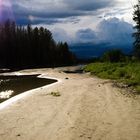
{"type": "Point", "coordinates": [56, 94]}
{"type": "Point", "coordinates": [113, 56]}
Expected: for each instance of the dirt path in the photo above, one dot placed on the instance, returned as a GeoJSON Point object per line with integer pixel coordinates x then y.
{"type": "Point", "coordinates": [88, 108]}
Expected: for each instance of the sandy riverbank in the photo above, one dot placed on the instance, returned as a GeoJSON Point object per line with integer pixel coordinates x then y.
{"type": "Point", "coordinates": [88, 108]}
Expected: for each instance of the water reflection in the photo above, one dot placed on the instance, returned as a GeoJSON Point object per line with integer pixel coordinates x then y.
{"type": "Point", "coordinates": [6, 94]}
{"type": "Point", "coordinates": [13, 85]}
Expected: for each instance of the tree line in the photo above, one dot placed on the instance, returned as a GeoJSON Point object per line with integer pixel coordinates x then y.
{"type": "Point", "coordinates": [27, 47]}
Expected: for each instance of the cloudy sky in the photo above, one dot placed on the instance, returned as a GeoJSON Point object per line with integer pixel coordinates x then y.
{"type": "Point", "coordinates": [75, 21]}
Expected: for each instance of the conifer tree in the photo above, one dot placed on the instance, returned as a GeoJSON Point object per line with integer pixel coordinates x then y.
{"type": "Point", "coordinates": [27, 47]}
{"type": "Point", "coordinates": [136, 18]}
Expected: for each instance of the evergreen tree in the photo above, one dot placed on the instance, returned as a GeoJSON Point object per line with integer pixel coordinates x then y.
{"type": "Point", "coordinates": [136, 18]}
{"type": "Point", "coordinates": [25, 47]}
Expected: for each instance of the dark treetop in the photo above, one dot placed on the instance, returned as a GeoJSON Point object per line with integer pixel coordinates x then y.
{"type": "Point", "coordinates": [27, 47]}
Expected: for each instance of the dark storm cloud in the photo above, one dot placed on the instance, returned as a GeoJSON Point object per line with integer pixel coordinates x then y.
{"type": "Point", "coordinates": [85, 35]}
{"type": "Point", "coordinates": [56, 9]}
{"type": "Point", "coordinates": [26, 20]}
{"type": "Point", "coordinates": [112, 31]}
{"type": "Point", "coordinates": [89, 5]}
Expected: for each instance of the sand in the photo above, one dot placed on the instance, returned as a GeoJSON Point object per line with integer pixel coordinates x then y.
{"type": "Point", "coordinates": [88, 108]}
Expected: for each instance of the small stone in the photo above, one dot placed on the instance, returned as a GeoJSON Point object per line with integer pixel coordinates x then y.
{"type": "Point", "coordinates": [18, 135]}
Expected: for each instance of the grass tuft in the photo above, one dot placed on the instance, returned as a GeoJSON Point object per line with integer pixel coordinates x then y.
{"type": "Point", "coordinates": [56, 94]}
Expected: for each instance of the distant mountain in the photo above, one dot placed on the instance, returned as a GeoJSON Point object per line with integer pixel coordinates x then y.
{"type": "Point", "coordinates": [89, 50]}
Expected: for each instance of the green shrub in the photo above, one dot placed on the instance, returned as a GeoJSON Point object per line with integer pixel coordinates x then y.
{"type": "Point", "coordinates": [113, 56]}
{"type": "Point", "coordinates": [56, 94]}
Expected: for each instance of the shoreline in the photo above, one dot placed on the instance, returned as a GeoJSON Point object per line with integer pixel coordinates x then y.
{"type": "Point", "coordinates": [22, 95]}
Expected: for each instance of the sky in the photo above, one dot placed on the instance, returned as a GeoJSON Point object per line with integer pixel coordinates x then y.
{"type": "Point", "coordinates": [76, 21]}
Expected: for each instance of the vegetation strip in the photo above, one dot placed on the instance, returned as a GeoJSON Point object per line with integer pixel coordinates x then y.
{"type": "Point", "coordinates": [127, 73]}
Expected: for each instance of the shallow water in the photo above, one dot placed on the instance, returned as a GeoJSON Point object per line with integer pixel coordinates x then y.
{"type": "Point", "coordinates": [13, 85]}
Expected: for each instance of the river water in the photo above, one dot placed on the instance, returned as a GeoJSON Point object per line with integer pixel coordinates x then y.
{"type": "Point", "coordinates": [13, 85]}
